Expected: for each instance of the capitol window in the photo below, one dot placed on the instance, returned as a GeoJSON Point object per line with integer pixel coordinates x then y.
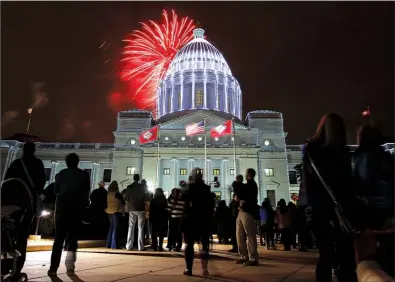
{"type": "Point", "coordinates": [216, 171]}
{"type": "Point", "coordinates": [166, 171]}
{"type": "Point", "coordinates": [269, 172]}
{"type": "Point", "coordinates": [228, 109]}
{"type": "Point", "coordinates": [179, 101]}
{"type": "Point", "coordinates": [169, 103]}
{"type": "Point", "coordinates": [130, 170]}
{"type": "Point", "coordinates": [107, 175]}
{"type": "Point", "coordinates": [218, 102]}
{"type": "Point", "coordinates": [183, 171]}
{"type": "Point", "coordinates": [199, 98]}
{"type": "Point", "coordinates": [232, 171]}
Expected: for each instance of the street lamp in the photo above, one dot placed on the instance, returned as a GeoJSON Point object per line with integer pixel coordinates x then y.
{"type": "Point", "coordinates": [44, 213]}
{"type": "Point", "coordinates": [30, 112]}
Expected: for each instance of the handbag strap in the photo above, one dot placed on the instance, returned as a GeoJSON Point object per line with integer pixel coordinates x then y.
{"type": "Point", "coordinates": [27, 174]}
{"type": "Point", "coordinates": [327, 188]}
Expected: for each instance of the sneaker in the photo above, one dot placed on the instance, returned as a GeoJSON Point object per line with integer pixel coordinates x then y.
{"type": "Point", "coordinates": [251, 263]}
{"type": "Point", "coordinates": [70, 272]}
{"type": "Point", "coordinates": [52, 273]}
{"type": "Point", "coordinates": [188, 272]}
{"type": "Point", "coordinates": [205, 272]}
{"type": "Point", "coordinates": [240, 261]}
{"type": "Point", "coordinates": [160, 249]}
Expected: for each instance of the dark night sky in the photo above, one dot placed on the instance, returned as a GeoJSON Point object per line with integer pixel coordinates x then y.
{"type": "Point", "coordinates": [300, 58]}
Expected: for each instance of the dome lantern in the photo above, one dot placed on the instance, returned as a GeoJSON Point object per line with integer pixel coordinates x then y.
{"type": "Point", "coordinates": [198, 33]}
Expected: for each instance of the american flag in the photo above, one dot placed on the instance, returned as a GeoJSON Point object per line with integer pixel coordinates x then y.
{"type": "Point", "coordinates": [194, 128]}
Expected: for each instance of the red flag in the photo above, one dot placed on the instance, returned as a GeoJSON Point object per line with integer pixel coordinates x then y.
{"type": "Point", "coordinates": [366, 113]}
{"type": "Point", "coordinates": [222, 130]}
{"type": "Point", "coordinates": [149, 135]}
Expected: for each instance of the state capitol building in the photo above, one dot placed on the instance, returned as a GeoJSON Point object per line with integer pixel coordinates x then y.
{"type": "Point", "coordinates": [198, 86]}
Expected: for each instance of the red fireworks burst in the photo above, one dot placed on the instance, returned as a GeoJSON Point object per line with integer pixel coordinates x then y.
{"type": "Point", "coordinates": [148, 54]}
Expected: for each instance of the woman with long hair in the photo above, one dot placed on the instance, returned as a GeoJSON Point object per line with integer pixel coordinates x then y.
{"type": "Point", "coordinates": [158, 218]}
{"type": "Point", "coordinates": [327, 150]}
{"type": "Point", "coordinates": [115, 209]}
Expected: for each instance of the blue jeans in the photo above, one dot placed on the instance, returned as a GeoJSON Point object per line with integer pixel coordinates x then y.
{"type": "Point", "coordinates": [136, 217]}
{"type": "Point", "coordinates": [112, 236]}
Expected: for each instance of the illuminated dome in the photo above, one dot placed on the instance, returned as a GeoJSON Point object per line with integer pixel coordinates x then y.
{"type": "Point", "coordinates": [199, 78]}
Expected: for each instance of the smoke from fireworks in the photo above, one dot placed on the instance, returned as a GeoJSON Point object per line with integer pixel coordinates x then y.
{"type": "Point", "coordinates": [148, 54]}
{"type": "Point", "coordinates": [8, 117]}
{"type": "Point", "coordinates": [40, 98]}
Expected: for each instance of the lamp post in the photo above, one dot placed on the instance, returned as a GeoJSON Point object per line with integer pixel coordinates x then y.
{"type": "Point", "coordinates": [30, 112]}
{"type": "Point", "coordinates": [36, 237]}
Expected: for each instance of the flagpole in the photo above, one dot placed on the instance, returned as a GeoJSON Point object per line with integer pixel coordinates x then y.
{"type": "Point", "coordinates": [205, 151]}
{"type": "Point", "coordinates": [157, 158]}
{"type": "Point", "coordinates": [234, 146]}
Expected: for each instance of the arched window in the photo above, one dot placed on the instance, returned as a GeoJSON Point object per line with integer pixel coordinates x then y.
{"type": "Point", "coordinates": [199, 97]}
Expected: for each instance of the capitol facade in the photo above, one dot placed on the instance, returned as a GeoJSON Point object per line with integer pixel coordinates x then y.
{"type": "Point", "coordinates": [198, 86]}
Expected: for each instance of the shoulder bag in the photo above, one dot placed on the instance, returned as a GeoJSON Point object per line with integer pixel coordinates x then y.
{"type": "Point", "coordinates": [343, 221]}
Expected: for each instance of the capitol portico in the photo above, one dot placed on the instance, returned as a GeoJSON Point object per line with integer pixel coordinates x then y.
{"type": "Point", "coordinates": [198, 86]}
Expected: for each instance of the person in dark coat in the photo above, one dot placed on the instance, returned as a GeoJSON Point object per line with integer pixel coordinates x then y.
{"type": "Point", "coordinates": [224, 217]}
{"type": "Point", "coordinates": [374, 178]}
{"type": "Point", "coordinates": [196, 223]}
{"type": "Point", "coordinates": [49, 194]}
{"type": "Point", "coordinates": [72, 188]}
{"type": "Point", "coordinates": [31, 171]}
{"type": "Point", "coordinates": [158, 216]}
{"type": "Point", "coordinates": [330, 155]}
{"type": "Point", "coordinates": [98, 206]}
{"type": "Point", "coordinates": [267, 224]}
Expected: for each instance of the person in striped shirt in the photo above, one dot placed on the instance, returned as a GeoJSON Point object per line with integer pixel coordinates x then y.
{"type": "Point", "coordinates": [176, 211]}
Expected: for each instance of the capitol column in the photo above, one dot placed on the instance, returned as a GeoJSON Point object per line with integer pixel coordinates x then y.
{"type": "Point", "coordinates": [234, 98]}
{"type": "Point", "coordinates": [205, 89]}
{"type": "Point", "coordinates": [225, 165]}
{"type": "Point", "coordinates": [216, 92]}
{"type": "Point", "coordinates": [53, 172]}
{"type": "Point", "coordinates": [175, 168]}
{"type": "Point", "coordinates": [172, 94]}
{"type": "Point", "coordinates": [226, 95]}
{"type": "Point", "coordinates": [240, 102]}
{"type": "Point", "coordinates": [163, 99]}
{"type": "Point", "coordinates": [157, 102]}
{"type": "Point", "coordinates": [193, 89]}
{"type": "Point", "coordinates": [182, 92]}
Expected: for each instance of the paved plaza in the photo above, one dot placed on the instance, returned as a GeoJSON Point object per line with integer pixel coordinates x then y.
{"type": "Point", "coordinates": [98, 264]}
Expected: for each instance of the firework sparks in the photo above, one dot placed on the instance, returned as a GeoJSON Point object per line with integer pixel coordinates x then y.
{"type": "Point", "coordinates": [148, 54]}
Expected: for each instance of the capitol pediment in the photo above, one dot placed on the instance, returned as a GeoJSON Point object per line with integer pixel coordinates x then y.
{"type": "Point", "coordinates": [213, 118]}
